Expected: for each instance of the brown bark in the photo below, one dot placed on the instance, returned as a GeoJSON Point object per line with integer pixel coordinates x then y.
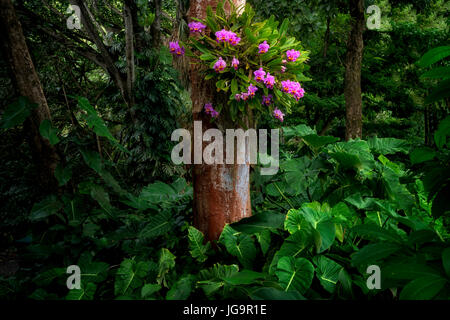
{"type": "Point", "coordinates": [221, 192]}
{"type": "Point", "coordinates": [28, 85]}
{"type": "Point", "coordinates": [129, 50]}
{"type": "Point", "coordinates": [352, 90]}
{"type": "Point", "coordinates": [89, 26]}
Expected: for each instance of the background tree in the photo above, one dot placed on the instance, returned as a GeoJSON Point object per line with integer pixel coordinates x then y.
{"type": "Point", "coordinates": [28, 85]}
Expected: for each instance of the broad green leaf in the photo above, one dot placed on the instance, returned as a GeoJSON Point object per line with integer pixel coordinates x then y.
{"type": "Point", "coordinates": [420, 155]}
{"type": "Point", "coordinates": [48, 132]}
{"type": "Point", "coordinates": [102, 197]}
{"type": "Point", "coordinates": [45, 208]}
{"type": "Point", "coordinates": [44, 278]}
{"type": "Point", "coordinates": [442, 133]}
{"type": "Point", "coordinates": [244, 277]}
{"type": "Point", "coordinates": [375, 232]}
{"type": "Point", "coordinates": [327, 272]}
{"type": "Point", "coordinates": [295, 274]}
{"type": "Point", "coordinates": [17, 112]}
{"type": "Point", "coordinates": [198, 249]}
{"type": "Point", "coordinates": [446, 260]}
{"type": "Point", "coordinates": [424, 288]}
{"type": "Point", "coordinates": [211, 279]}
{"type": "Point", "coordinates": [86, 292]}
{"type": "Point", "coordinates": [182, 289]}
{"type": "Point", "coordinates": [437, 73]}
{"type": "Point", "coordinates": [97, 124]}
{"type": "Point", "coordinates": [387, 146]}
{"type": "Point", "coordinates": [239, 245]}
{"type": "Point", "coordinates": [434, 55]}
{"type": "Point", "coordinates": [93, 160]}
{"type": "Point", "coordinates": [149, 289]}
{"type": "Point", "coordinates": [315, 141]}
{"type": "Point", "coordinates": [130, 276]}
{"type": "Point", "coordinates": [295, 221]}
{"type": "Point", "coordinates": [372, 253]}
{"type": "Point", "coordinates": [92, 271]}
{"type": "Point", "coordinates": [159, 224]}
{"type": "Point", "coordinates": [265, 220]}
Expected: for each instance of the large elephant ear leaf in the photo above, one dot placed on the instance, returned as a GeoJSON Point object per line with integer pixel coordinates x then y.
{"type": "Point", "coordinates": [327, 272]}
{"type": "Point", "coordinates": [197, 248]}
{"type": "Point", "coordinates": [239, 245]}
{"type": "Point", "coordinates": [295, 274]}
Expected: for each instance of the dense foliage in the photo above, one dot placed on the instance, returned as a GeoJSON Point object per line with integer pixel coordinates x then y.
{"type": "Point", "coordinates": [123, 212]}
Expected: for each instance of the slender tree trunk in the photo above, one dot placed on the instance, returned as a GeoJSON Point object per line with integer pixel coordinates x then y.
{"type": "Point", "coordinates": [28, 85]}
{"type": "Point", "coordinates": [221, 192]}
{"type": "Point", "coordinates": [352, 91]}
{"type": "Point", "coordinates": [326, 39]}
{"type": "Point", "coordinates": [129, 51]}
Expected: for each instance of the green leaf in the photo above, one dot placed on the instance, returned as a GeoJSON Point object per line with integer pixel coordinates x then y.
{"type": "Point", "coordinates": [97, 124]}
{"type": "Point", "coordinates": [295, 274]}
{"type": "Point", "coordinates": [166, 262]}
{"type": "Point", "coordinates": [48, 132]}
{"type": "Point", "coordinates": [159, 224]}
{"type": "Point", "coordinates": [295, 221]}
{"type": "Point", "coordinates": [424, 288]}
{"type": "Point", "coordinates": [45, 208]}
{"type": "Point", "coordinates": [327, 272]}
{"type": "Point", "coordinates": [44, 278]}
{"type": "Point", "coordinates": [265, 220]}
{"type": "Point", "coordinates": [446, 260]}
{"type": "Point", "coordinates": [130, 276]}
{"type": "Point", "coordinates": [442, 133]}
{"type": "Point", "coordinates": [244, 277]}
{"type": "Point", "coordinates": [434, 55]}
{"type": "Point", "coordinates": [284, 27]}
{"type": "Point", "coordinates": [315, 141]}
{"type": "Point", "coordinates": [86, 292]}
{"type": "Point", "coordinates": [17, 112]}
{"type": "Point", "coordinates": [375, 232]}
{"type": "Point", "coordinates": [437, 73]}
{"type": "Point", "coordinates": [211, 279]}
{"type": "Point", "coordinates": [275, 294]}
{"type": "Point", "coordinates": [387, 146]}
{"type": "Point", "coordinates": [182, 289]}
{"type": "Point", "coordinates": [92, 271]}
{"type": "Point", "coordinates": [63, 175]}
{"type": "Point", "coordinates": [372, 253]}
{"type": "Point", "coordinates": [102, 197]}
{"type": "Point", "coordinates": [319, 216]}
{"type": "Point", "coordinates": [239, 245]}
{"type": "Point", "coordinates": [264, 239]}
{"type": "Point", "coordinates": [198, 249]}
{"type": "Point", "coordinates": [149, 289]}
{"type": "Point", "coordinates": [92, 159]}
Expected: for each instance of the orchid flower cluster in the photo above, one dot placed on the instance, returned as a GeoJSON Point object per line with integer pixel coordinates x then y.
{"type": "Point", "coordinates": [255, 62]}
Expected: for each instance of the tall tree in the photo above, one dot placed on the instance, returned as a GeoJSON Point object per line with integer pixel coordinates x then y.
{"type": "Point", "coordinates": [221, 192]}
{"type": "Point", "coordinates": [353, 60]}
{"type": "Point", "coordinates": [28, 85]}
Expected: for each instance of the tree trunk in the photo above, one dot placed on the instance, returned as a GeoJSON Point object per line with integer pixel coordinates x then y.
{"type": "Point", "coordinates": [352, 91]}
{"type": "Point", "coordinates": [221, 192]}
{"type": "Point", "coordinates": [129, 51]}
{"type": "Point", "coordinates": [28, 85]}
